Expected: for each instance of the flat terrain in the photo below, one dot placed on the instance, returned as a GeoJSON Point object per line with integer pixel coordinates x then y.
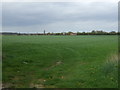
{"type": "Point", "coordinates": [59, 61]}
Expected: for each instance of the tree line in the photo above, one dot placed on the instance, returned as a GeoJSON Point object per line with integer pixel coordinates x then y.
{"type": "Point", "coordinates": [93, 32]}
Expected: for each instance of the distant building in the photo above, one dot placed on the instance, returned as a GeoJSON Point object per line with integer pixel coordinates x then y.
{"type": "Point", "coordinates": [73, 33]}
{"type": "Point", "coordinates": [44, 32]}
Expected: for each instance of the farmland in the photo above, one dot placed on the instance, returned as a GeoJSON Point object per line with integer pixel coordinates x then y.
{"type": "Point", "coordinates": [59, 61]}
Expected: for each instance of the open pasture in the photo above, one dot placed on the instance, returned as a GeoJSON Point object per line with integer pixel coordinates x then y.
{"type": "Point", "coordinates": [59, 61]}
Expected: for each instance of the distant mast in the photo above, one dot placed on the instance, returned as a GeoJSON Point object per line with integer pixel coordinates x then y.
{"type": "Point", "coordinates": [44, 32]}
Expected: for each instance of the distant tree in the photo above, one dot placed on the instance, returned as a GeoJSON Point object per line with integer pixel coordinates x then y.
{"type": "Point", "coordinates": [78, 33]}
{"type": "Point", "coordinates": [93, 32]}
{"type": "Point", "coordinates": [69, 33]}
{"type": "Point", "coordinates": [112, 32]}
{"type": "Point", "coordinates": [83, 33]}
{"type": "Point", "coordinates": [48, 33]}
{"type": "Point", "coordinates": [58, 33]}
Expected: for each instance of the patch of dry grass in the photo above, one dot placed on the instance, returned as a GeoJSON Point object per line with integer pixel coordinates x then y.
{"type": "Point", "coordinates": [113, 59]}
{"type": "Point", "coordinates": [110, 67]}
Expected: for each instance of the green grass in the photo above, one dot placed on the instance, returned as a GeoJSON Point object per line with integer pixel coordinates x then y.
{"type": "Point", "coordinates": [58, 61]}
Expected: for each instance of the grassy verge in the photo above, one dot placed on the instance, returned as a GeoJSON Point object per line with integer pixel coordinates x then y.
{"type": "Point", "coordinates": [110, 68]}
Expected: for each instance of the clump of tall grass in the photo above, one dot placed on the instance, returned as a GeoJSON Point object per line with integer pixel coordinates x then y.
{"type": "Point", "coordinates": [110, 68]}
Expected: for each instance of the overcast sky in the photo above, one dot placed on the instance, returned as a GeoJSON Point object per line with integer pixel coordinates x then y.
{"type": "Point", "coordinates": [59, 16]}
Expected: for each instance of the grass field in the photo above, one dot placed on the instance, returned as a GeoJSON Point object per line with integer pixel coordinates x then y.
{"type": "Point", "coordinates": [60, 61]}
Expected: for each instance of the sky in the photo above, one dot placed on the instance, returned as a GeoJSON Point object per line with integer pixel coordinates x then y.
{"type": "Point", "coordinates": [59, 16]}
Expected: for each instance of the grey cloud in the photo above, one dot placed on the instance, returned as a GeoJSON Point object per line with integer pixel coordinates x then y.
{"type": "Point", "coordinates": [31, 14]}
